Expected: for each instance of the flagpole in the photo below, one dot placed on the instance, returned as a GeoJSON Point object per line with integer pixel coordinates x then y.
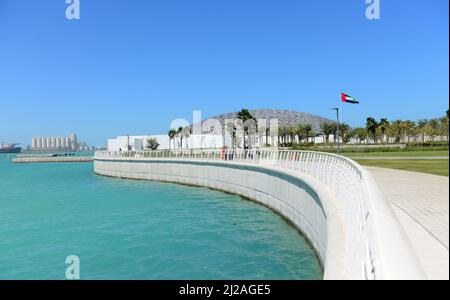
{"type": "Point", "coordinates": [337, 130]}
{"type": "Point", "coordinates": [342, 117]}
{"type": "Point", "coordinates": [338, 138]}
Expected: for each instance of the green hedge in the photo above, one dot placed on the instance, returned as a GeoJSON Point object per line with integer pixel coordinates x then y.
{"type": "Point", "coordinates": [371, 150]}
{"type": "Point", "coordinates": [427, 145]}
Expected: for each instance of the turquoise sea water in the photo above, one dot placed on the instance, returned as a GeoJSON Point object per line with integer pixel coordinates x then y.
{"type": "Point", "coordinates": [123, 229]}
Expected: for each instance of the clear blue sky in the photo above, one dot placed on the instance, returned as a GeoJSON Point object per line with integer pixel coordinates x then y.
{"type": "Point", "coordinates": [131, 67]}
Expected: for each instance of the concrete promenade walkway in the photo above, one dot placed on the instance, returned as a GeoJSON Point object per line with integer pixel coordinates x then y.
{"type": "Point", "coordinates": [421, 202]}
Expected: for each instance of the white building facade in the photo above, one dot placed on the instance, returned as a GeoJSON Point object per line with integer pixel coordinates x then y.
{"type": "Point", "coordinates": [139, 142]}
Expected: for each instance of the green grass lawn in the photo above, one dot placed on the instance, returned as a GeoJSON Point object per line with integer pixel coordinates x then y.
{"type": "Point", "coordinates": [397, 154]}
{"type": "Point", "coordinates": [430, 166]}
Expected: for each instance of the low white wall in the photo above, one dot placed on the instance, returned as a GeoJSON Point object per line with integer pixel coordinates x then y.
{"type": "Point", "coordinates": [331, 199]}
{"type": "Point", "coordinates": [303, 201]}
{"type": "Point", "coordinates": [121, 143]}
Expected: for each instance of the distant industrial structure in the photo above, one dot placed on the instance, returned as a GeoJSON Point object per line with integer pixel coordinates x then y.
{"type": "Point", "coordinates": [70, 143]}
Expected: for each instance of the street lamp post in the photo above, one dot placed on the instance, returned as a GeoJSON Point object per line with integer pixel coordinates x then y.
{"type": "Point", "coordinates": [337, 129]}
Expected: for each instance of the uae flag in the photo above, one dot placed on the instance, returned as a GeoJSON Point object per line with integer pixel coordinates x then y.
{"type": "Point", "coordinates": [348, 99]}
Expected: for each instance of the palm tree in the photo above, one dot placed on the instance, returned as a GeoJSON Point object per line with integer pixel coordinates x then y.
{"type": "Point", "coordinates": [308, 128]}
{"type": "Point", "coordinates": [409, 127]}
{"type": "Point", "coordinates": [282, 132]}
{"type": "Point", "coordinates": [371, 127]}
{"type": "Point", "coordinates": [180, 135]}
{"type": "Point", "coordinates": [172, 133]}
{"type": "Point", "coordinates": [326, 129]}
{"type": "Point", "coordinates": [360, 133]}
{"type": "Point", "coordinates": [295, 133]}
{"type": "Point", "coordinates": [397, 130]}
{"type": "Point", "coordinates": [244, 115]}
{"type": "Point", "coordinates": [333, 129]}
{"type": "Point", "coordinates": [422, 128]}
{"type": "Point", "coordinates": [313, 134]}
{"type": "Point", "coordinates": [435, 125]}
{"type": "Point", "coordinates": [384, 125]}
{"type": "Point", "coordinates": [231, 129]}
{"type": "Point", "coordinates": [267, 133]}
{"type": "Point", "coordinates": [444, 125]}
{"type": "Point", "coordinates": [187, 134]}
{"type": "Point", "coordinates": [298, 131]}
{"type": "Point", "coordinates": [344, 130]}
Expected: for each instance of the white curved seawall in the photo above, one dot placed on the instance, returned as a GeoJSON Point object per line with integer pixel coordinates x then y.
{"type": "Point", "coordinates": [348, 247]}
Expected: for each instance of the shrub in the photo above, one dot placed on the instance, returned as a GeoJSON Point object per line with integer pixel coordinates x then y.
{"type": "Point", "coordinates": [152, 144]}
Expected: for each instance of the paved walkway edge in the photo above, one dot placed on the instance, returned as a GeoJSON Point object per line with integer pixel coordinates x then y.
{"type": "Point", "coordinates": [433, 255]}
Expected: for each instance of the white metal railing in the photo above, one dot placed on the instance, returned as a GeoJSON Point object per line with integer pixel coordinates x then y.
{"type": "Point", "coordinates": [377, 247]}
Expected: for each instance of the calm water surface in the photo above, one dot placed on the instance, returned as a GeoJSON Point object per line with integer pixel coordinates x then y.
{"type": "Point", "coordinates": [122, 229]}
